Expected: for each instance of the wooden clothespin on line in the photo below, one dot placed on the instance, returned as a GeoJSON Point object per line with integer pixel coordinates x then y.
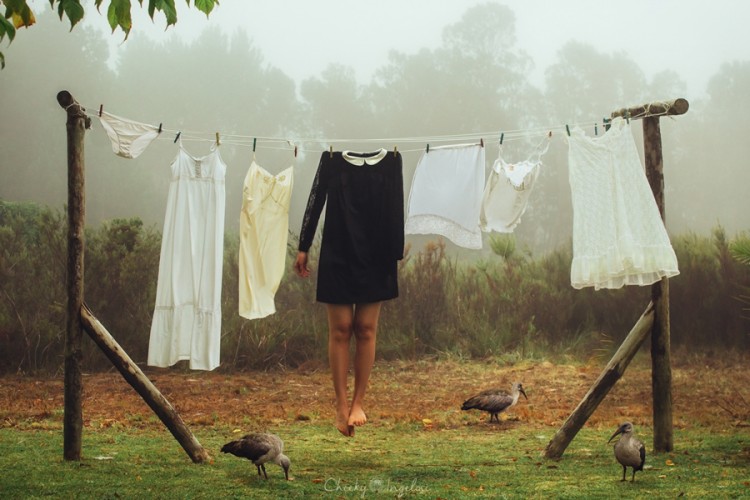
{"type": "Point", "coordinates": [567, 129]}
{"type": "Point", "coordinates": [101, 108]}
{"type": "Point", "coordinates": [502, 134]}
{"type": "Point", "coordinates": [330, 150]}
{"type": "Point", "coordinates": [481, 142]}
{"type": "Point", "coordinates": [218, 143]}
{"type": "Point", "coordinates": [177, 137]}
{"type": "Point", "coordinates": [159, 131]}
{"type": "Point", "coordinates": [395, 150]}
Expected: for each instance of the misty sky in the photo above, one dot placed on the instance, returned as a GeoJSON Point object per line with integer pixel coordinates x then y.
{"type": "Point", "coordinates": [300, 37]}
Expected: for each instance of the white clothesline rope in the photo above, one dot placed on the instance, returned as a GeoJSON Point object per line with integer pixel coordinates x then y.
{"type": "Point", "coordinates": [321, 144]}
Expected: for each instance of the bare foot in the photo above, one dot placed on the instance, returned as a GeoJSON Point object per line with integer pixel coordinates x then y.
{"type": "Point", "coordinates": [342, 422]}
{"type": "Point", "coordinates": [357, 416]}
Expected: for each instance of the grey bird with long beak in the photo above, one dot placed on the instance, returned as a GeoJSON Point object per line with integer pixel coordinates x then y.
{"type": "Point", "coordinates": [495, 401]}
{"type": "Point", "coordinates": [260, 448]}
{"type": "Point", "coordinates": [629, 450]}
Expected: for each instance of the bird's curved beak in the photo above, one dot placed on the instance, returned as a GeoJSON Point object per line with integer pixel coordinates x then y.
{"type": "Point", "coordinates": [618, 431]}
{"type": "Point", "coordinates": [524, 393]}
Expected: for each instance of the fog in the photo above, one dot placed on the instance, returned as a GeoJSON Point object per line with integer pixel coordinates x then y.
{"type": "Point", "coordinates": [343, 76]}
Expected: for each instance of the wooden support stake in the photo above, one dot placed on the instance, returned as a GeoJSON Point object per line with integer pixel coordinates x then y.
{"type": "Point", "coordinates": [143, 386]}
{"type": "Point", "coordinates": [76, 125]}
{"type": "Point", "coordinates": [661, 363]}
{"type": "Point", "coordinates": [611, 374]}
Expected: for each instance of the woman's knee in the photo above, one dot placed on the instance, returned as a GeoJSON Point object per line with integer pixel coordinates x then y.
{"type": "Point", "coordinates": [340, 332]}
{"type": "Point", "coordinates": [365, 331]}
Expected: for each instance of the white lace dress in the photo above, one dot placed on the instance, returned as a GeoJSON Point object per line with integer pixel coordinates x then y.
{"type": "Point", "coordinates": [619, 237]}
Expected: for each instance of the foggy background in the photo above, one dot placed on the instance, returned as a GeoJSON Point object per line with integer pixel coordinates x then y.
{"type": "Point", "coordinates": [320, 72]}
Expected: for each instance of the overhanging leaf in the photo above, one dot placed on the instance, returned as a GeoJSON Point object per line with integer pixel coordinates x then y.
{"type": "Point", "coordinates": [72, 9]}
{"type": "Point", "coordinates": [7, 28]}
{"type": "Point", "coordinates": [118, 14]}
{"type": "Point", "coordinates": [205, 6]}
{"type": "Point", "coordinates": [23, 18]}
{"type": "Point", "coordinates": [166, 6]}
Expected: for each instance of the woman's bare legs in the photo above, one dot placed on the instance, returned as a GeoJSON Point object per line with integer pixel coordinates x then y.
{"type": "Point", "coordinates": [343, 321]}
{"type": "Point", "coordinates": [365, 331]}
{"type": "Point", "coordinates": [340, 321]}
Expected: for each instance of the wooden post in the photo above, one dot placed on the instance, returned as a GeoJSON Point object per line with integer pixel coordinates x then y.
{"type": "Point", "coordinates": [76, 126]}
{"type": "Point", "coordinates": [607, 379]}
{"type": "Point", "coordinates": [661, 363]}
{"type": "Point", "coordinates": [143, 386]}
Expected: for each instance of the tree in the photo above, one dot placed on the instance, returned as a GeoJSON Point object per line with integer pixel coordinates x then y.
{"type": "Point", "coordinates": [19, 14]}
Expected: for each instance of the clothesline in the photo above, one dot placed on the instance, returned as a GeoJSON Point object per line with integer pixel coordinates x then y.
{"type": "Point", "coordinates": [320, 144]}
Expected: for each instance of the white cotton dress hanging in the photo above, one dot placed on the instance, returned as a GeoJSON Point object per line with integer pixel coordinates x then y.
{"type": "Point", "coordinates": [264, 230]}
{"type": "Point", "coordinates": [187, 316]}
{"type": "Point", "coordinates": [619, 237]}
{"type": "Point", "coordinates": [446, 194]}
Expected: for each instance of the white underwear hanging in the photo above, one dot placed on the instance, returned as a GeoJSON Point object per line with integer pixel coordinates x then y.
{"type": "Point", "coordinates": [446, 194]}
{"type": "Point", "coordinates": [129, 139]}
{"type": "Point", "coordinates": [508, 189]}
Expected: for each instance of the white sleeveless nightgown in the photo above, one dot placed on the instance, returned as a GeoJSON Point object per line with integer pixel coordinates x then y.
{"type": "Point", "coordinates": [619, 237]}
{"type": "Point", "coordinates": [187, 317]}
{"type": "Point", "coordinates": [264, 229]}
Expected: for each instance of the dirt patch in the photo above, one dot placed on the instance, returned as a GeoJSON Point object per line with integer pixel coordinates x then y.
{"type": "Point", "coordinates": [707, 391]}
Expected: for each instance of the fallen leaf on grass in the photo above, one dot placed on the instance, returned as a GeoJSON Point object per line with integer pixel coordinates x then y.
{"type": "Point", "coordinates": [669, 462]}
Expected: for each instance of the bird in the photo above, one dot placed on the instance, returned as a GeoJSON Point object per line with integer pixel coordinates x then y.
{"type": "Point", "coordinates": [629, 450]}
{"type": "Point", "coordinates": [260, 448]}
{"type": "Point", "coordinates": [495, 401]}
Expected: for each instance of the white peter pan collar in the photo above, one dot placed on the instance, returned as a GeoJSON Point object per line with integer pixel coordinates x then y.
{"type": "Point", "coordinates": [361, 160]}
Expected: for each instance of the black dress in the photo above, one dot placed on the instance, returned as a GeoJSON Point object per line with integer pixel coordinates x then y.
{"type": "Point", "coordinates": [363, 232]}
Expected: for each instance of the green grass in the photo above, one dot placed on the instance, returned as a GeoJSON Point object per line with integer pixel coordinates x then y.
{"type": "Point", "coordinates": [384, 460]}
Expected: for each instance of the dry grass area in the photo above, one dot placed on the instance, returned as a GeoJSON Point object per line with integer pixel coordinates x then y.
{"type": "Point", "coordinates": [710, 391]}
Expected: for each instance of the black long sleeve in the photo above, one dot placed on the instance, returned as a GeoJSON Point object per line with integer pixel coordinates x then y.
{"type": "Point", "coordinates": [315, 204]}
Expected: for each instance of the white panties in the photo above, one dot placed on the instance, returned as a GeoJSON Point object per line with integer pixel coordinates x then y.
{"type": "Point", "coordinates": [129, 139]}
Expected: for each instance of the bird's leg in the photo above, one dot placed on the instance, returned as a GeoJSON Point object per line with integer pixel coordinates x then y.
{"type": "Point", "coordinates": [262, 466]}
{"type": "Point", "coordinates": [624, 470]}
{"type": "Point", "coordinates": [258, 466]}
{"type": "Point", "coordinates": [633, 480]}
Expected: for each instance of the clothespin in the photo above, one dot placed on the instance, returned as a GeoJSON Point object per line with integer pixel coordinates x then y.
{"type": "Point", "coordinates": [549, 134]}
{"type": "Point", "coordinates": [481, 142]}
{"type": "Point", "coordinates": [330, 149]}
{"type": "Point", "coordinates": [255, 139]}
{"type": "Point", "coordinates": [159, 132]}
{"type": "Point", "coordinates": [606, 122]}
{"type": "Point", "coordinates": [427, 150]}
{"type": "Point", "coordinates": [295, 151]}
{"type": "Point", "coordinates": [217, 139]}
{"type": "Point", "coordinates": [502, 134]}
{"type": "Point", "coordinates": [395, 150]}
{"type": "Point", "coordinates": [567, 129]}
{"type": "Point", "coordinates": [177, 136]}
{"type": "Point", "coordinates": [101, 108]}
{"type": "Point", "coordinates": [596, 129]}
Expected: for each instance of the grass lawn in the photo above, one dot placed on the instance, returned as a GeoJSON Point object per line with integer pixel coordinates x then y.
{"type": "Point", "coordinates": [384, 460]}
{"type": "Point", "coordinates": [417, 443]}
